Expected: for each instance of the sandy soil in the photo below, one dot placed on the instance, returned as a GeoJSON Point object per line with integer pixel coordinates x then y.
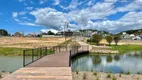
{"type": "Point", "coordinates": [104, 76]}
{"type": "Point", "coordinates": [26, 42]}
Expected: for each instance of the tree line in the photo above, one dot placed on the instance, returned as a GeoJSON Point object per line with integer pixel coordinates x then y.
{"type": "Point", "coordinates": [97, 38]}
{"type": "Point", "coordinates": [3, 32]}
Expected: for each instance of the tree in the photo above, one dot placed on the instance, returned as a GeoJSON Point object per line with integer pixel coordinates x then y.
{"type": "Point", "coordinates": [50, 33]}
{"type": "Point", "coordinates": [109, 39]}
{"type": "Point", "coordinates": [97, 38]}
{"type": "Point", "coordinates": [3, 32]}
{"type": "Point", "coordinates": [116, 39]}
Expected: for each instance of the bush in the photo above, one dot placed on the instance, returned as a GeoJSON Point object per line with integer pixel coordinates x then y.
{"type": "Point", "coordinates": [108, 75]}
{"type": "Point", "coordinates": [76, 71]}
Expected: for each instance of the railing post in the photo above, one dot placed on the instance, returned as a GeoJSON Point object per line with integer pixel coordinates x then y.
{"type": "Point", "coordinates": [46, 50]}
{"type": "Point", "coordinates": [40, 52]}
{"type": "Point", "coordinates": [70, 59]}
{"type": "Point", "coordinates": [23, 58]}
{"type": "Point", "coordinates": [32, 55]}
{"type": "Point", "coordinates": [59, 48]}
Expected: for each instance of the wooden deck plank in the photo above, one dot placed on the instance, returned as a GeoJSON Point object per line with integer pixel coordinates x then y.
{"type": "Point", "coordinates": [59, 59]}
{"type": "Point", "coordinates": [41, 73]}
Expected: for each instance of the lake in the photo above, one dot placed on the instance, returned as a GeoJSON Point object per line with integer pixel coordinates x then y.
{"type": "Point", "coordinates": [12, 63]}
{"type": "Point", "coordinates": [128, 62]}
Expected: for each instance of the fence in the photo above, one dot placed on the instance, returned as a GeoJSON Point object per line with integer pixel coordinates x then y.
{"type": "Point", "coordinates": [77, 50]}
{"type": "Point", "coordinates": [31, 55]}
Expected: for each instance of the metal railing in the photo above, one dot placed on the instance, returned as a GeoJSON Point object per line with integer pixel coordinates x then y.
{"type": "Point", "coordinates": [32, 55]}
{"type": "Point", "coordinates": [75, 50]}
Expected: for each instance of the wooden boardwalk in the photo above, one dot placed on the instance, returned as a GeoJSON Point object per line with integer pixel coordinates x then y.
{"type": "Point", "coordinates": [59, 59]}
{"type": "Point", "coordinates": [50, 67]}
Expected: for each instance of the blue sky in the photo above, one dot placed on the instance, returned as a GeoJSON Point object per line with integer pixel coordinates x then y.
{"type": "Point", "coordinates": [35, 15]}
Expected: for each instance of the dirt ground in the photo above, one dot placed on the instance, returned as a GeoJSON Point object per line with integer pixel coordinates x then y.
{"type": "Point", "coordinates": [105, 76]}
{"type": "Point", "coordinates": [27, 42]}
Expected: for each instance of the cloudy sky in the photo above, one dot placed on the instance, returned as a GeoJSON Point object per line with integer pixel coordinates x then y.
{"type": "Point", "coordinates": [34, 15]}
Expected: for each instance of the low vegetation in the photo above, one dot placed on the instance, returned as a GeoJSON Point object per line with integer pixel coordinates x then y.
{"type": "Point", "coordinates": [127, 48]}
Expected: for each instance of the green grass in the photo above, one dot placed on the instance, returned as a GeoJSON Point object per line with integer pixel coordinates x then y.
{"type": "Point", "coordinates": [127, 48]}
{"type": "Point", "coordinates": [19, 51]}
{"type": "Point", "coordinates": [11, 51]}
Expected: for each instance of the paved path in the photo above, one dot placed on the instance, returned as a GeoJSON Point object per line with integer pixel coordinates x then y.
{"type": "Point", "coordinates": [85, 44]}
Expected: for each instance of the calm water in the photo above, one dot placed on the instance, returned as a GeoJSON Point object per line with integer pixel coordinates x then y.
{"type": "Point", "coordinates": [11, 63]}
{"type": "Point", "coordinates": [131, 62]}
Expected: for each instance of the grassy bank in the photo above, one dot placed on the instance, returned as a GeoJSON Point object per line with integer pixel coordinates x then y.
{"type": "Point", "coordinates": [127, 48]}
{"type": "Point", "coordinates": [10, 51]}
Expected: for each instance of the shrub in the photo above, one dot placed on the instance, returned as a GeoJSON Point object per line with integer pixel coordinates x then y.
{"type": "Point", "coordinates": [114, 78]}
{"type": "Point", "coordinates": [76, 71]}
{"type": "Point", "coordinates": [119, 74]}
{"type": "Point", "coordinates": [127, 73]}
{"type": "Point", "coordinates": [95, 73]}
{"type": "Point", "coordinates": [108, 75]}
{"type": "Point", "coordinates": [0, 76]}
{"type": "Point", "coordinates": [84, 76]}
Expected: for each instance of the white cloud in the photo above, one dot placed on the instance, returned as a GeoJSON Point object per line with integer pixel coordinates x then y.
{"type": "Point", "coordinates": [57, 2]}
{"type": "Point", "coordinates": [133, 6]}
{"type": "Point", "coordinates": [22, 13]}
{"type": "Point", "coordinates": [14, 14]}
{"type": "Point", "coordinates": [83, 18]}
{"type": "Point", "coordinates": [21, 0]}
{"type": "Point", "coordinates": [29, 8]}
{"type": "Point", "coordinates": [46, 30]}
{"type": "Point", "coordinates": [28, 24]}
{"type": "Point", "coordinates": [42, 1]}
{"type": "Point", "coordinates": [49, 18]}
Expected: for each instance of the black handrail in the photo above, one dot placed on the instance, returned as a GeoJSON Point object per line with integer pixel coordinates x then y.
{"type": "Point", "coordinates": [38, 53]}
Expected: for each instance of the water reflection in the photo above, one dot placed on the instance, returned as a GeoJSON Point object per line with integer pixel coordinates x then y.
{"type": "Point", "coordinates": [96, 59]}
{"type": "Point", "coordinates": [116, 57]}
{"type": "Point", "coordinates": [109, 58]}
{"type": "Point", "coordinates": [131, 62]}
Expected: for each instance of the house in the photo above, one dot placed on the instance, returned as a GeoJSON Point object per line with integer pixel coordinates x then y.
{"type": "Point", "coordinates": [31, 35]}
{"type": "Point", "coordinates": [125, 36]}
{"type": "Point", "coordinates": [87, 33]}
{"type": "Point", "coordinates": [19, 34]}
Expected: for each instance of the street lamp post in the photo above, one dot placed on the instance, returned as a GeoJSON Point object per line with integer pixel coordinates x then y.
{"type": "Point", "coordinates": [66, 26]}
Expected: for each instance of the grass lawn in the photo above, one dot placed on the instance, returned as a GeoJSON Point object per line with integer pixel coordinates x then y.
{"type": "Point", "coordinates": [127, 48]}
